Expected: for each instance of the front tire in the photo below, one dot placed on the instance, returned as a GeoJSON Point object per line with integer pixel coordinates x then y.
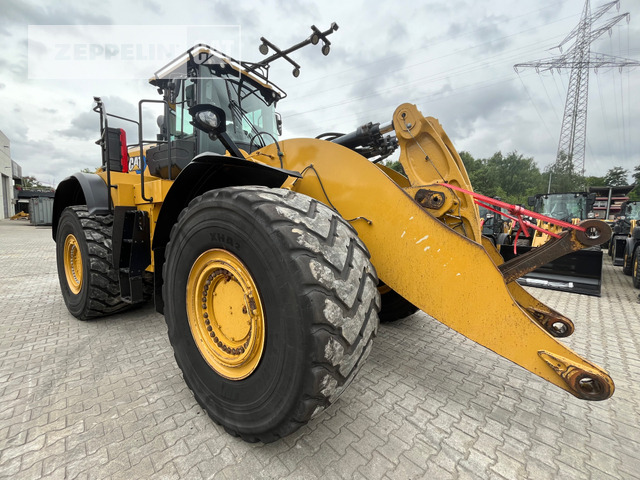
{"type": "Point", "coordinates": [291, 307]}
{"type": "Point", "coordinates": [626, 265]}
{"type": "Point", "coordinates": [635, 273]}
{"type": "Point", "coordinates": [88, 280]}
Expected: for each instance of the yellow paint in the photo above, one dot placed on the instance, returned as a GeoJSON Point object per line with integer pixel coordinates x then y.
{"type": "Point", "coordinates": [225, 314]}
{"type": "Point", "coordinates": [73, 264]}
{"type": "Point", "coordinates": [457, 282]}
{"type": "Point", "coordinates": [129, 194]}
{"type": "Point", "coordinates": [433, 258]}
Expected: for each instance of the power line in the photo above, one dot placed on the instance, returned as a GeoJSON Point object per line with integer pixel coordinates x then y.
{"type": "Point", "coordinates": [579, 59]}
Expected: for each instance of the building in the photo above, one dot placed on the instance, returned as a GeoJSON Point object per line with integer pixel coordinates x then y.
{"type": "Point", "coordinates": [10, 172]}
{"type": "Point", "coordinates": [609, 200]}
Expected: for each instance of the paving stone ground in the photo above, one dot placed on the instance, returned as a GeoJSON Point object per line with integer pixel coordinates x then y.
{"type": "Point", "coordinates": [104, 399]}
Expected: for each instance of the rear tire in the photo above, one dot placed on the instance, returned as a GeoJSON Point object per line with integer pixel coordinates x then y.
{"type": "Point", "coordinates": [635, 272]}
{"type": "Point", "coordinates": [394, 306]}
{"type": "Point", "coordinates": [312, 298]}
{"type": "Point", "coordinates": [88, 280]}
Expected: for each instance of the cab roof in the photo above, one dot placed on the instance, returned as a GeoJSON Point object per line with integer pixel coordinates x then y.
{"type": "Point", "coordinates": [186, 65]}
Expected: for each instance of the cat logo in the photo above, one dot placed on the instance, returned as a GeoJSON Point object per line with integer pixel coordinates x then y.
{"type": "Point", "coordinates": [134, 163]}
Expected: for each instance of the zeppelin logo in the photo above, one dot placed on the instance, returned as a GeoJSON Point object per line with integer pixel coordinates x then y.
{"type": "Point", "coordinates": [222, 238]}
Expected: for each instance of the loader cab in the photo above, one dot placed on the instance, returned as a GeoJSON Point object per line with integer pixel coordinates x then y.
{"type": "Point", "coordinates": [563, 206]}
{"type": "Point", "coordinates": [631, 210]}
{"type": "Point", "coordinates": [207, 77]}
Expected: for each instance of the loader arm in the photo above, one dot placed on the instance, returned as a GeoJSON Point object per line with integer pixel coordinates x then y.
{"type": "Point", "coordinates": [425, 243]}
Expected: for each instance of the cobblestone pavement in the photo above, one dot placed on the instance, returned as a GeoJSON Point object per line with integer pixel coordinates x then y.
{"type": "Point", "coordinates": [105, 399]}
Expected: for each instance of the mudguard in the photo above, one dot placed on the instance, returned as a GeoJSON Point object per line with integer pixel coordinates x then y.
{"type": "Point", "coordinates": [81, 189]}
{"type": "Point", "coordinates": [207, 171]}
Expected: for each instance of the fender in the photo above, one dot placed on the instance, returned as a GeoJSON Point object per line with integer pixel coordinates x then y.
{"type": "Point", "coordinates": [207, 171]}
{"type": "Point", "coordinates": [631, 244]}
{"type": "Point", "coordinates": [81, 189]}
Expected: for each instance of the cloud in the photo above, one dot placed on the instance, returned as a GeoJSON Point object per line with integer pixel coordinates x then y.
{"type": "Point", "coordinates": [83, 126]}
{"type": "Point", "coordinates": [2, 86]}
{"type": "Point", "coordinates": [153, 6]}
{"type": "Point", "coordinates": [29, 13]}
{"type": "Point", "coordinates": [486, 31]}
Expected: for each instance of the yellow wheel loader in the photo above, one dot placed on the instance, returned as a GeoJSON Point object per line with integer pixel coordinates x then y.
{"type": "Point", "coordinates": [576, 272]}
{"type": "Point", "coordinates": [270, 258]}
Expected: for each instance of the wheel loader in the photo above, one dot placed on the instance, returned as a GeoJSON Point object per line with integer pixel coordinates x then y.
{"type": "Point", "coordinates": [626, 240]}
{"type": "Point", "coordinates": [576, 272]}
{"type": "Point", "coordinates": [270, 259]}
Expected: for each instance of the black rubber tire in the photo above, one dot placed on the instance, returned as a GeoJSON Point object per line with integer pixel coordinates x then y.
{"type": "Point", "coordinates": [635, 271]}
{"type": "Point", "coordinates": [319, 296]}
{"type": "Point", "coordinates": [627, 264]}
{"type": "Point", "coordinates": [612, 251]}
{"type": "Point", "coordinates": [395, 307]}
{"type": "Point", "coordinates": [100, 292]}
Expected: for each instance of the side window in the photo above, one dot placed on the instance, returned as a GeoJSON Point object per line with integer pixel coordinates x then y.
{"type": "Point", "coordinates": [182, 127]}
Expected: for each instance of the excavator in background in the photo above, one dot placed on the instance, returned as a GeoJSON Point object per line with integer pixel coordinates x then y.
{"type": "Point", "coordinates": [271, 258]}
{"type": "Point", "coordinates": [576, 272]}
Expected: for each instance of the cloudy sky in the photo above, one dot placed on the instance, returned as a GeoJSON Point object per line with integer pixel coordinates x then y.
{"type": "Point", "coordinates": [453, 59]}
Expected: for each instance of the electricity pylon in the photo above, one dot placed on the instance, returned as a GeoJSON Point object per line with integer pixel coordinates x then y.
{"type": "Point", "coordinates": [580, 59]}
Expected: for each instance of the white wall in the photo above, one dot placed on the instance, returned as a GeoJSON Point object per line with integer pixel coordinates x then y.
{"type": "Point", "coordinates": [6, 178]}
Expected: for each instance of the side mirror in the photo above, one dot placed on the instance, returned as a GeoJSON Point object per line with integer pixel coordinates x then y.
{"type": "Point", "coordinates": [189, 95]}
{"type": "Point", "coordinates": [531, 201]}
{"type": "Point", "coordinates": [208, 118]}
{"type": "Point", "coordinates": [279, 123]}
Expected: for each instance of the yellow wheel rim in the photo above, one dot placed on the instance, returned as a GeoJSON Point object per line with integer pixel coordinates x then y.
{"type": "Point", "coordinates": [225, 314]}
{"type": "Point", "coordinates": [73, 263]}
{"type": "Point", "coordinates": [635, 266]}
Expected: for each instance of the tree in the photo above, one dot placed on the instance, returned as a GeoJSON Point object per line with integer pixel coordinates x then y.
{"type": "Point", "coordinates": [512, 177]}
{"type": "Point", "coordinates": [636, 175]}
{"type": "Point", "coordinates": [30, 182]}
{"type": "Point", "coordinates": [635, 193]}
{"type": "Point", "coordinates": [564, 177]}
{"type": "Point", "coordinates": [616, 177]}
{"type": "Point", "coordinates": [594, 181]}
{"type": "Point", "coordinates": [395, 165]}
{"type": "Point", "coordinates": [515, 177]}
{"type": "Point", "coordinates": [479, 174]}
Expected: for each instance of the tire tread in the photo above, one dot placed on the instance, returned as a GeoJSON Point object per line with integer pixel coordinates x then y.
{"type": "Point", "coordinates": [335, 274]}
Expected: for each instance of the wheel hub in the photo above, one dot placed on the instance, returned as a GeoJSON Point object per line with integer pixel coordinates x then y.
{"type": "Point", "coordinates": [225, 314]}
{"type": "Point", "coordinates": [73, 263]}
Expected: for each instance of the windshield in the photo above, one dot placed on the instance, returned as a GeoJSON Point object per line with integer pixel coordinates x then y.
{"type": "Point", "coordinates": [250, 119]}
{"type": "Point", "coordinates": [563, 206]}
{"type": "Point", "coordinates": [632, 211]}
